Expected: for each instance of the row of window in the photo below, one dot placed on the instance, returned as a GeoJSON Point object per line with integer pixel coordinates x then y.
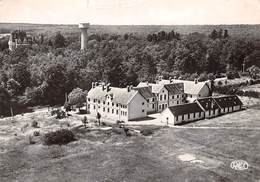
{"type": "Point", "coordinates": [189, 116]}
{"type": "Point", "coordinates": [113, 111]}
{"type": "Point", "coordinates": [108, 103]}
{"type": "Point", "coordinates": [173, 97]}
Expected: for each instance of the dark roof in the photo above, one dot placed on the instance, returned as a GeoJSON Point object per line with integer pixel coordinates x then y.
{"type": "Point", "coordinates": [208, 103]}
{"type": "Point", "coordinates": [146, 92]}
{"type": "Point", "coordinates": [120, 95]}
{"type": "Point", "coordinates": [228, 101]}
{"type": "Point", "coordinates": [185, 109]}
{"type": "Point", "coordinates": [175, 88]}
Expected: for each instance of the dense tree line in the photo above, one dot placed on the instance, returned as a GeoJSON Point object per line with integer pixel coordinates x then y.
{"type": "Point", "coordinates": [44, 73]}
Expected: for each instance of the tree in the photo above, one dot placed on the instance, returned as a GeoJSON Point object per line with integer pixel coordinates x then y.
{"type": "Point", "coordinates": [59, 40]}
{"type": "Point", "coordinates": [4, 102]}
{"type": "Point", "coordinates": [13, 87]}
{"type": "Point", "coordinates": [85, 121]}
{"type": "Point", "coordinates": [21, 74]}
{"type": "Point", "coordinates": [226, 35]}
{"type": "Point", "coordinates": [214, 34]}
{"type": "Point", "coordinates": [254, 72]}
{"type": "Point", "coordinates": [77, 97]}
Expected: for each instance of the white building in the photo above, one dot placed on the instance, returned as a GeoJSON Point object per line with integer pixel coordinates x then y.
{"type": "Point", "coordinates": [150, 97]}
{"type": "Point", "coordinates": [165, 94]}
{"type": "Point", "coordinates": [192, 89]}
{"type": "Point", "coordinates": [230, 103]}
{"type": "Point", "coordinates": [182, 114]}
{"type": "Point", "coordinates": [123, 104]}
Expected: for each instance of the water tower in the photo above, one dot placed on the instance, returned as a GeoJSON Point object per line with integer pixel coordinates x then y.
{"type": "Point", "coordinates": [84, 34]}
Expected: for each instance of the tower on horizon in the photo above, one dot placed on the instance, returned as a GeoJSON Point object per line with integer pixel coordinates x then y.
{"type": "Point", "coordinates": [84, 34]}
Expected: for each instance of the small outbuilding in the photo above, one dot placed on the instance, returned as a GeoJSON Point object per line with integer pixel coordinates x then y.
{"type": "Point", "coordinates": [182, 113]}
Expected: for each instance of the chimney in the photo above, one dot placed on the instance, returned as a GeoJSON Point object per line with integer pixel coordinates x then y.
{"type": "Point", "coordinates": [131, 87]}
{"type": "Point", "coordinates": [93, 85]}
{"type": "Point", "coordinates": [103, 87]}
{"type": "Point", "coordinates": [196, 80]}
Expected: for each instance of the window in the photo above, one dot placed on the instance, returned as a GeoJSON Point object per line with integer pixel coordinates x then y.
{"type": "Point", "coordinates": [143, 110]}
{"type": "Point", "coordinates": [104, 109]}
{"type": "Point", "coordinates": [177, 102]}
{"type": "Point", "coordinates": [88, 106]}
{"type": "Point", "coordinates": [160, 97]}
{"type": "Point", "coordinates": [177, 96]}
{"type": "Point", "coordinates": [99, 101]}
{"type": "Point", "coordinates": [143, 103]}
{"type": "Point", "coordinates": [112, 111]}
{"type": "Point", "coordinates": [104, 102]}
{"type": "Point", "coordinates": [88, 99]}
{"type": "Point", "coordinates": [188, 116]}
{"type": "Point", "coordinates": [194, 115]}
{"type": "Point", "coordinates": [153, 106]}
{"type": "Point", "coordinates": [108, 103]}
{"type": "Point", "coordinates": [94, 107]}
{"type": "Point", "coordinates": [159, 106]}
{"type": "Point", "coordinates": [94, 100]}
{"type": "Point", "coordinates": [153, 99]}
{"type": "Point", "coordinates": [117, 112]}
{"type": "Point", "coordinates": [113, 104]}
{"type": "Point", "coordinates": [176, 118]}
{"type": "Point", "coordinates": [107, 109]}
{"type": "Point", "coordinates": [164, 97]}
{"type": "Point", "coordinates": [116, 105]}
{"type": "Point", "coordinates": [199, 114]}
{"type": "Point", "coordinates": [182, 117]}
{"type": "Point", "coordinates": [173, 97]}
{"type": "Point", "coordinates": [183, 96]}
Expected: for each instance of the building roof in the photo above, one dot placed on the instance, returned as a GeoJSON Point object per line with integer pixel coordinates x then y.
{"type": "Point", "coordinates": [175, 88]}
{"type": "Point", "coordinates": [190, 87]}
{"type": "Point", "coordinates": [119, 95]}
{"type": "Point", "coordinates": [208, 103]}
{"type": "Point", "coordinates": [185, 109]}
{"type": "Point", "coordinates": [156, 88]}
{"type": "Point", "coordinates": [146, 92]}
{"type": "Point", "coordinates": [228, 101]}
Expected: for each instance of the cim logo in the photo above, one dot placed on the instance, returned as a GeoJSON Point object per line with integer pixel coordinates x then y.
{"type": "Point", "coordinates": [239, 165]}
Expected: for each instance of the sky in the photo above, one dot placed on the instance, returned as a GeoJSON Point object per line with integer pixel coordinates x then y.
{"type": "Point", "coordinates": [129, 12]}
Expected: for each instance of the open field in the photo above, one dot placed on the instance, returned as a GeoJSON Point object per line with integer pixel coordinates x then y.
{"type": "Point", "coordinates": [170, 154]}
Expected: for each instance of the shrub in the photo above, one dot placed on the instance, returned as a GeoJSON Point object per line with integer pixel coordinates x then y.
{"type": "Point", "coordinates": [36, 133]}
{"type": "Point", "coordinates": [34, 124]}
{"type": "Point", "coordinates": [118, 122]}
{"type": "Point", "coordinates": [146, 132]}
{"type": "Point", "coordinates": [59, 137]}
{"type": "Point", "coordinates": [85, 121]}
{"type": "Point", "coordinates": [59, 113]}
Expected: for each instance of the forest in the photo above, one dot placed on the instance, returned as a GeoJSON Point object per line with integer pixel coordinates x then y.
{"type": "Point", "coordinates": [43, 72]}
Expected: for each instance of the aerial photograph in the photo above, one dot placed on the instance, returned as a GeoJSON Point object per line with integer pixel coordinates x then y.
{"type": "Point", "coordinates": [129, 91]}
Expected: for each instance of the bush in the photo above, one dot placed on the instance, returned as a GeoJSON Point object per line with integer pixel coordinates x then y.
{"type": "Point", "coordinates": [59, 113]}
{"type": "Point", "coordinates": [146, 132]}
{"type": "Point", "coordinates": [36, 133]}
{"type": "Point", "coordinates": [118, 122]}
{"type": "Point", "coordinates": [59, 137]}
{"type": "Point", "coordinates": [34, 124]}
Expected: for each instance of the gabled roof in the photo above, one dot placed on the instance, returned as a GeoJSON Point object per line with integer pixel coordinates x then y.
{"type": "Point", "coordinates": [146, 92]}
{"type": "Point", "coordinates": [228, 101]}
{"type": "Point", "coordinates": [185, 109]}
{"type": "Point", "coordinates": [156, 88]}
{"type": "Point", "coordinates": [119, 95]}
{"type": "Point", "coordinates": [175, 88]}
{"type": "Point", "coordinates": [208, 103]}
{"type": "Point", "coordinates": [190, 87]}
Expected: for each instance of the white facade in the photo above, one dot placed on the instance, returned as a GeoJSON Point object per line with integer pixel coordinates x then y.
{"type": "Point", "coordinates": [134, 108]}
{"type": "Point", "coordinates": [168, 117]}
